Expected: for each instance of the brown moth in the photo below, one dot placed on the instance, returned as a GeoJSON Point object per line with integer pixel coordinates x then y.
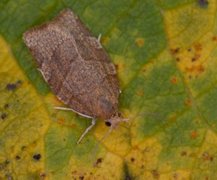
{"type": "Point", "coordinates": [77, 68]}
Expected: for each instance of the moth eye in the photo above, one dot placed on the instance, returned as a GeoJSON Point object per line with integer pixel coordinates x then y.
{"type": "Point", "coordinates": [107, 123]}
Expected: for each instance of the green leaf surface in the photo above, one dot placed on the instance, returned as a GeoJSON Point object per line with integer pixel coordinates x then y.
{"type": "Point", "coordinates": [165, 54]}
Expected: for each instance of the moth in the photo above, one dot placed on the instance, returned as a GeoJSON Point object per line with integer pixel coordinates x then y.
{"type": "Point", "coordinates": [76, 67]}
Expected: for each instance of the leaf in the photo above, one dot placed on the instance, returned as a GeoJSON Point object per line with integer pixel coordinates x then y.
{"type": "Point", "coordinates": [165, 52]}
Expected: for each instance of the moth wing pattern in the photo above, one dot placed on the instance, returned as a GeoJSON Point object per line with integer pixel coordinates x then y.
{"type": "Point", "coordinates": [75, 65]}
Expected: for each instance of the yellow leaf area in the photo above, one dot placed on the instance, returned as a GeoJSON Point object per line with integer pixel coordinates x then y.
{"type": "Point", "coordinates": [23, 121]}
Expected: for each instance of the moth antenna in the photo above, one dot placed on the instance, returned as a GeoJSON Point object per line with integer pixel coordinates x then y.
{"type": "Point", "coordinates": [41, 73]}
{"type": "Point", "coordinates": [62, 108]}
{"type": "Point", "coordinates": [99, 38]}
{"type": "Point", "coordinates": [70, 109]}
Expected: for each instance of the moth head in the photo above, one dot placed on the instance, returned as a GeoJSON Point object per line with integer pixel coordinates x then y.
{"type": "Point", "coordinates": [115, 120]}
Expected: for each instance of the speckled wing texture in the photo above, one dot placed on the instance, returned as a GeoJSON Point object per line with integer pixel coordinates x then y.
{"type": "Point", "coordinates": [75, 65]}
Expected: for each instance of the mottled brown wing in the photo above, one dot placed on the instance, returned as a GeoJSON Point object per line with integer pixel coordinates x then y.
{"type": "Point", "coordinates": [75, 65]}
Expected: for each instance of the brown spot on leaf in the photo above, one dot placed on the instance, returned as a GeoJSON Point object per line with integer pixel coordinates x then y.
{"type": "Point", "coordinates": [61, 121]}
{"type": "Point", "coordinates": [155, 174]}
{"type": "Point", "coordinates": [117, 67]}
{"type": "Point", "coordinates": [195, 68]}
{"type": "Point", "coordinates": [194, 134]}
{"type": "Point", "coordinates": [211, 158]}
{"type": "Point", "coordinates": [174, 80]}
{"type": "Point", "coordinates": [37, 157]}
{"type": "Point", "coordinates": [17, 157]}
{"type": "Point", "coordinates": [13, 86]}
{"type": "Point", "coordinates": [198, 47]}
{"type": "Point", "coordinates": [175, 51]}
{"type": "Point", "coordinates": [183, 153]}
{"type": "Point", "coordinates": [195, 58]}
{"type": "Point", "coordinates": [175, 176]}
{"type": "Point", "coordinates": [3, 116]}
{"type": "Point", "coordinates": [188, 102]}
{"type": "Point", "coordinates": [177, 59]}
{"type": "Point", "coordinates": [132, 159]}
{"type": "Point", "coordinates": [98, 162]}
{"type": "Point", "coordinates": [6, 106]}
{"type": "Point", "coordinates": [207, 157]}
{"type": "Point", "coordinates": [200, 68]}
{"type": "Point", "coordinates": [214, 38]}
{"type": "Point", "coordinates": [42, 175]}
{"type": "Point", "coordinates": [140, 92]}
{"type": "Point", "coordinates": [140, 42]}
{"type": "Point", "coordinates": [189, 69]}
{"type": "Point", "coordinates": [203, 3]}
{"type": "Point", "coordinates": [23, 148]}
{"type": "Point", "coordinates": [4, 164]}
{"type": "Point", "coordinates": [143, 69]}
{"type": "Point", "coordinates": [81, 177]}
{"type": "Point", "coordinates": [74, 172]}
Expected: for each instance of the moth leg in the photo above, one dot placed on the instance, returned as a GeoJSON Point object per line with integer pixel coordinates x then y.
{"type": "Point", "coordinates": [99, 38]}
{"type": "Point", "coordinates": [87, 130]}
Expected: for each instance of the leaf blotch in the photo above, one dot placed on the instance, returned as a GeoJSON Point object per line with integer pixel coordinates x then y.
{"type": "Point", "coordinates": [17, 157]}
{"type": "Point", "coordinates": [98, 162]}
{"type": "Point", "coordinates": [3, 116]}
{"type": "Point", "coordinates": [13, 86]}
{"type": "Point", "coordinates": [140, 42]}
{"type": "Point", "coordinates": [155, 174]}
{"type": "Point", "coordinates": [6, 106]}
{"type": "Point", "coordinates": [183, 153]}
{"type": "Point", "coordinates": [175, 51]}
{"type": "Point", "coordinates": [36, 157]}
{"type": "Point", "coordinates": [188, 102]}
{"type": "Point", "coordinates": [132, 159]}
{"type": "Point", "coordinates": [174, 80]}
{"type": "Point", "coordinates": [203, 3]}
{"type": "Point", "coordinates": [194, 135]}
{"type": "Point", "coordinates": [207, 157]}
